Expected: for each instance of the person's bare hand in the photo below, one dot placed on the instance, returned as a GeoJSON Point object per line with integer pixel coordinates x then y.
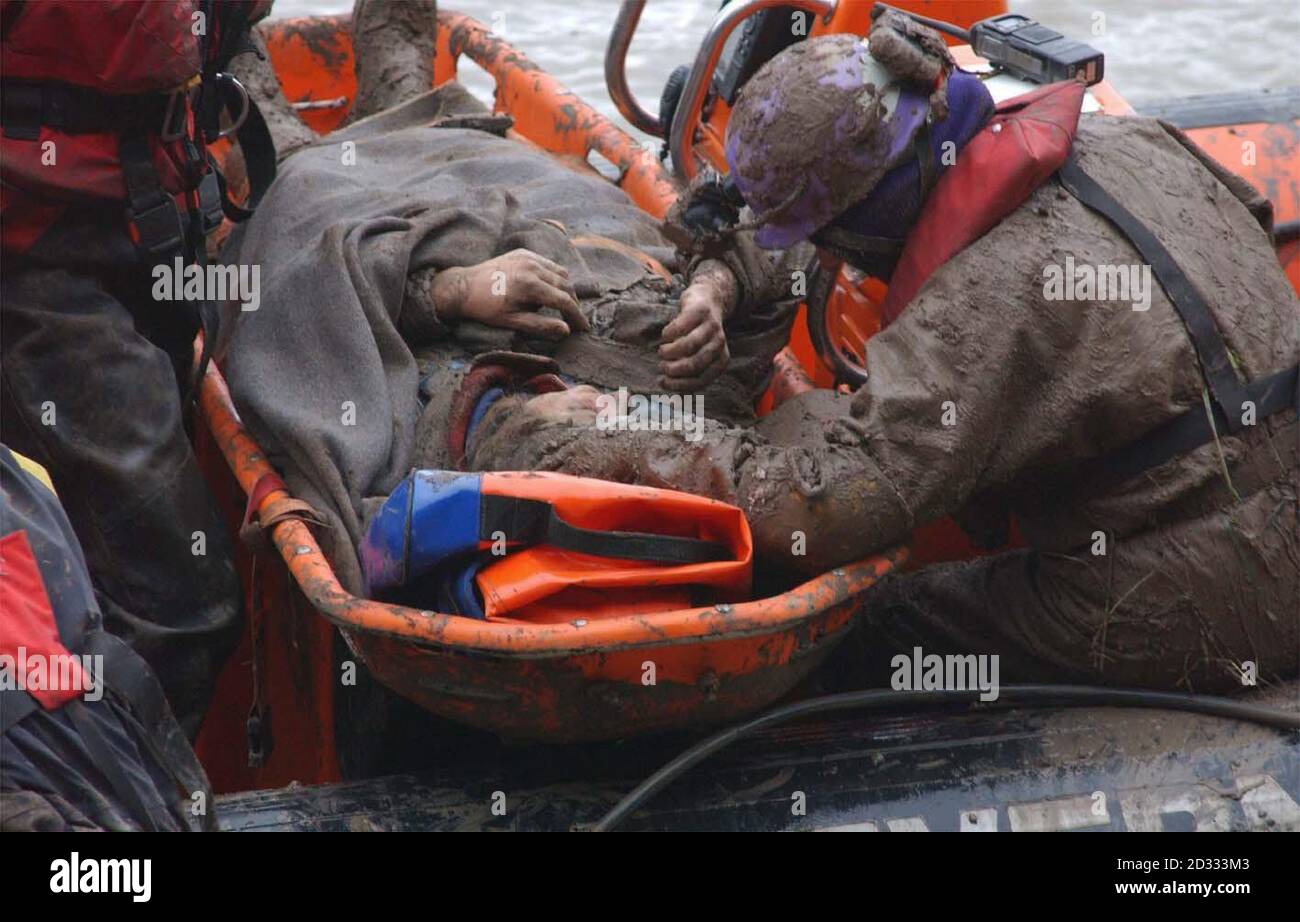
{"type": "Point", "coordinates": [575, 406]}
{"type": "Point", "coordinates": [693, 351]}
{"type": "Point", "coordinates": [508, 292]}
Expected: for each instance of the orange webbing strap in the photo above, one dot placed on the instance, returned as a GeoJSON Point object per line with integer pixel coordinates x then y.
{"type": "Point", "coordinates": [258, 522]}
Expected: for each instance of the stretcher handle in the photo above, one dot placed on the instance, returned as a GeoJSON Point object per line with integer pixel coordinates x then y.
{"type": "Point", "coordinates": [531, 521]}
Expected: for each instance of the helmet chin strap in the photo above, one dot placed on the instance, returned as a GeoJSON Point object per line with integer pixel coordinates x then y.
{"type": "Point", "coordinates": [873, 254]}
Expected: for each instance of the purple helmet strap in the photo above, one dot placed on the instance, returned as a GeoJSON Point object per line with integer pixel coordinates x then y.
{"type": "Point", "coordinates": [909, 117]}
{"type": "Point", "coordinates": [877, 254]}
{"type": "Point", "coordinates": [893, 206]}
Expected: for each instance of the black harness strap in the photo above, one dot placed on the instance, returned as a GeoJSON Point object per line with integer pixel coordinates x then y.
{"type": "Point", "coordinates": [258, 148]}
{"type": "Point", "coordinates": [26, 106]}
{"type": "Point", "coordinates": [1226, 390]}
{"type": "Point", "coordinates": [165, 231]}
{"type": "Point", "coordinates": [129, 678]}
{"type": "Point", "coordinates": [159, 224]}
{"type": "Point", "coordinates": [925, 166]}
{"type": "Point", "coordinates": [1270, 394]}
{"type": "Point", "coordinates": [838, 239]}
{"type": "Point", "coordinates": [532, 521]}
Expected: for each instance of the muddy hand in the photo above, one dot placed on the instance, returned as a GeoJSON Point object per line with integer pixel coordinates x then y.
{"type": "Point", "coordinates": [575, 406]}
{"type": "Point", "coordinates": [694, 348]}
{"type": "Point", "coordinates": [507, 292]}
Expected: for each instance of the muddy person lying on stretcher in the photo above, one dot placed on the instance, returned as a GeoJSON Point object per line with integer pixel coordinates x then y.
{"type": "Point", "coordinates": [395, 341]}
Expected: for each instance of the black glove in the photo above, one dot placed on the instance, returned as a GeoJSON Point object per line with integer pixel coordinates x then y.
{"type": "Point", "coordinates": [714, 206]}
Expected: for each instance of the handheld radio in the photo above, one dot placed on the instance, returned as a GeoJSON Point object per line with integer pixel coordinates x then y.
{"type": "Point", "coordinates": [1022, 47]}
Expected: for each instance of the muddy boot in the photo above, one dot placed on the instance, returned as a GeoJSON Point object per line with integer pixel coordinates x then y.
{"type": "Point", "coordinates": [394, 46]}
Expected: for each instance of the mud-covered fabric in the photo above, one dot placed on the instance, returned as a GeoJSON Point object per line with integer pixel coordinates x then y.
{"type": "Point", "coordinates": [92, 370]}
{"type": "Point", "coordinates": [322, 374]}
{"type": "Point", "coordinates": [50, 777]}
{"type": "Point", "coordinates": [394, 47]}
{"type": "Point", "coordinates": [987, 396]}
{"type": "Point", "coordinates": [51, 780]}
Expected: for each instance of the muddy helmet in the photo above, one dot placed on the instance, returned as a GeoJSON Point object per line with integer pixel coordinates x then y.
{"type": "Point", "coordinates": [814, 130]}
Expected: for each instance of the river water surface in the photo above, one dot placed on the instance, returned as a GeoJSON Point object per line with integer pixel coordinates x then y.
{"type": "Point", "coordinates": [1154, 48]}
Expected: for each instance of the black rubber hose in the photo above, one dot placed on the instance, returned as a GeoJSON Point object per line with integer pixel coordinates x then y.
{"type": "Point", "coordinates": [669, 100]}
{"type": "Point", "coordinates": [1008, 696]}
{"type": "Point", "coordinates": [1285, 232]}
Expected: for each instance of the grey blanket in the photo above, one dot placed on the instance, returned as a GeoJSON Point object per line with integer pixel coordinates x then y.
{"type": "Point", "coordinates": [320, 374]}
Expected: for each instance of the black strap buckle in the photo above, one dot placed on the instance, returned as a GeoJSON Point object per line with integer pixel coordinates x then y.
{"type": "Point", "coordinates": [210, 202]}
{"type": "Point", "coordinates": [159, 226]}
{"type": "Point", "coordinates": [258, 729]}
{"type": "Point", "coordinates": [175, 123]}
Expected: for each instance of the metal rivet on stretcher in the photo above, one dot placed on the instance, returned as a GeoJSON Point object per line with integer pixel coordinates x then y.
{"type": "Point", "coordinates": [581, 622]}
{"type": "Point", "coordinates": [302, 549]}
{"type": "Point", "coordinates": [723, 608]}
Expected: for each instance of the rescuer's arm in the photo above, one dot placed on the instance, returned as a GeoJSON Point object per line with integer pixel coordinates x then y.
{"type": "Point", "coordinates": [979, 381]}
{"type": "Point", "coordinates": [838, 477]}
{"type": "Point", "coordinates": [766, 276]}
{"type": "Point", "coordinates": [693, 350]}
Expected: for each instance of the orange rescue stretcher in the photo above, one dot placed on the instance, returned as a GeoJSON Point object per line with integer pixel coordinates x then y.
{"type": "Point", "coordinates": [580, 679]}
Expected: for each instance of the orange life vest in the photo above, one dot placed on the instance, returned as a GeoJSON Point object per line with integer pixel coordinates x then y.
{"type": "Point", "coordinates": [544, 547]}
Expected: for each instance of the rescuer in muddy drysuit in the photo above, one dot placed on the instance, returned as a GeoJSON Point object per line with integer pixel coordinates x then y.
{"type": "Point", "coordinates": [1158, 553]}
{"type": "Point", "coordinates": [107, 107]}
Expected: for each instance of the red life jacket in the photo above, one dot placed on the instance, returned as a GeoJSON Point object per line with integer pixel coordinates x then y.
{"type": "Point", "coordinates": [78, 78]}
{"type": "Point", "coordinates": [1024, 143]}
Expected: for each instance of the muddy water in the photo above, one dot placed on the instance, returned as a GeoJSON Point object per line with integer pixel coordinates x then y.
{"type": "Point", "coordinates": [1154, 48]}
